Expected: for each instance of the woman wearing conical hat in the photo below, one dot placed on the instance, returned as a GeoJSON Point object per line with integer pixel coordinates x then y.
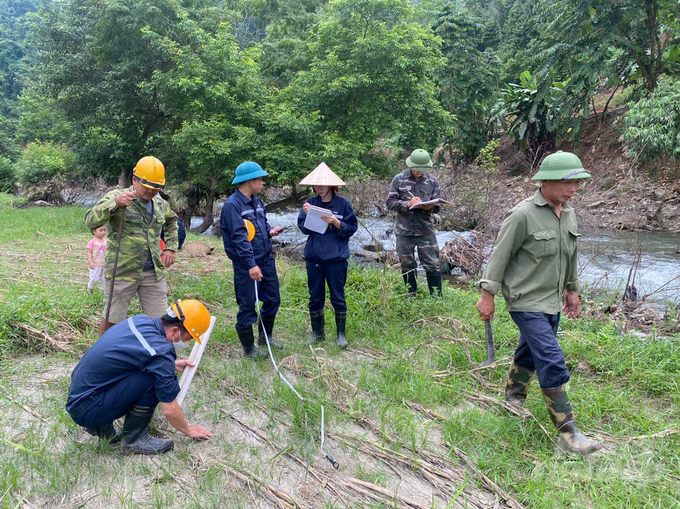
{"type": "Point", "coordinates": [326, 253]}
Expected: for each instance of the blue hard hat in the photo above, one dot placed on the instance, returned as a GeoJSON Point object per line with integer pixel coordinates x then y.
{"type": "Point", "coordinates": [248, 171]}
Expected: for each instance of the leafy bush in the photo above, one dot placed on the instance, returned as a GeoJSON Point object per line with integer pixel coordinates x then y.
{"type": "Point", "coordinates": [528, 112]}
{"type": "Point", "coordinates": [41, 163]}
{"type": "Point", "coordinates": [652, 125]}
{"type": "Point", "coordinates": [7, 175]}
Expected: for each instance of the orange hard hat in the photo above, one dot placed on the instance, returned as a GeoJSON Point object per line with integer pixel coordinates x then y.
{"type": "Point", "coordinates": [193, 315]}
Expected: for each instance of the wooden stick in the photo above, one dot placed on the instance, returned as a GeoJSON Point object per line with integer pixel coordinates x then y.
{"type": "Point", "coordinates": [195, 358]}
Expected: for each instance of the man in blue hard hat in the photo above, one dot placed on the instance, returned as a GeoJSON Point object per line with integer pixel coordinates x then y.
{"type": "Point", "coordinates": [246, 235]}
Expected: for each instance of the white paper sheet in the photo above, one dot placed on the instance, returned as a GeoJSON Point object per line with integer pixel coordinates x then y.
{"type": "Point", "coordinates": [313, 220]}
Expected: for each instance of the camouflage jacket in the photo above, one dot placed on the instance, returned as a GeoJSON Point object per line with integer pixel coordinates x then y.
{"type": "Point", "coordinates": [139, 237]}
{"type": "Point", "coordinates": [404, 187]}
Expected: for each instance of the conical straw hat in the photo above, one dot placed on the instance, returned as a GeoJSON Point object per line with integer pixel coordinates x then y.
{"type": "Point", "coordinates": [322, 176]}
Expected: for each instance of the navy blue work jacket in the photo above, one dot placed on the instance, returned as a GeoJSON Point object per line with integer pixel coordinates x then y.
{"type": "Point", "coordinates": [234, 234]}
{"type": "Point", "coordinates": [333, 245]}
{"type": "Point", "coordinates": [136, 344]}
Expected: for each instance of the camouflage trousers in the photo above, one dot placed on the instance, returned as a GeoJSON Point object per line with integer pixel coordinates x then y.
{"type": "Point", "coordinates": [428, 252]}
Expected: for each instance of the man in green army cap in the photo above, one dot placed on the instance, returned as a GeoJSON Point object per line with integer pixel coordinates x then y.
{"type": "Point", "coordinates": [141, 265]}
{"type": "Point", "coordinates": [414, 226]}
{"type": "Point", "coordinates": [535, 264]}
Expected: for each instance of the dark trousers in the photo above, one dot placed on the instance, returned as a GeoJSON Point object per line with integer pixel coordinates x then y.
{"type": "Point", "coordinates": [115, 400]}
{"type": "Point", "coordinates": [267, 289]}
{"type": "Point", "coordinates": [538, 348]}
{"type": "Point", "coordinates": [335, 274]}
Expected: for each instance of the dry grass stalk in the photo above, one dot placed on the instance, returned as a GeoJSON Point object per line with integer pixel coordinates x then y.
{"type": "Point", "coordinates": [280, 498]}
{"type": "Point", "coordinates": [523, 414]}
{"type": "Point", "coordinates": [661, 434]}
{"type": "Point", "coordinates": [508, 499]}
{"type": "Point", "coordinates": [430, 414]}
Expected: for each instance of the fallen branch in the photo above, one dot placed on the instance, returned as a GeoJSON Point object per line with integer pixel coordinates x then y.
{"type": "Point", "coordinates": [45, 337]}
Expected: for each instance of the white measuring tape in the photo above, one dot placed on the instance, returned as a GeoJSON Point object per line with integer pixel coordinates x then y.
{"type": "Point", "coordinates": [322, 432]}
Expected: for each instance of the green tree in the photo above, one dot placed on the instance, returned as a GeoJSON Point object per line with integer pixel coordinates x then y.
{"type": "Point", "coordinates": [643, 30]}
{"type": "Point", "coordinates": [372, 73]}
{"type": "Point", "coordinates": [469, 82]}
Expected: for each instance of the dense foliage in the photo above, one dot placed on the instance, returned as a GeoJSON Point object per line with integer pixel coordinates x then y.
{"type": "Point", "coordinates": [204, 85]}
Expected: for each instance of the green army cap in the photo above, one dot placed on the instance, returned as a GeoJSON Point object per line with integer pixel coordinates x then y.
{"type": "Point", "coordinates": [561, 166]}
{"type": "Point", "coordinates": [419, 158]}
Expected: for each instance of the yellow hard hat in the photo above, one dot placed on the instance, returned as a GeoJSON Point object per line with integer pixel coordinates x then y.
{"type": "Point", "coordinates": [251, 229]}
{"type": "Point", "coordinates": [150, 172]}
{"type": "Point", "coordinates": [193, 315]}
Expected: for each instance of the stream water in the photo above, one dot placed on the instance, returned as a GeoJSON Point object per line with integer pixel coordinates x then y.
{"type": "Point", "coordinates": [606, 258]}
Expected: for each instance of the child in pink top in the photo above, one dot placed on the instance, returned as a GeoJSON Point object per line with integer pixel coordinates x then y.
{"type": "Point", "coordinates": [96, 256]}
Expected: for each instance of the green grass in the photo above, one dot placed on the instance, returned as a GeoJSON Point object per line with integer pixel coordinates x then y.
{"type": "Point", "coordinates": [401, 355]}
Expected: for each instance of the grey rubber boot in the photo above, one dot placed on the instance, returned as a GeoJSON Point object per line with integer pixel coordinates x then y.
{"type": "Point", "coordinates": [340, 323]}
{"type": "Point", "coordinates": [318, 325]}
{"type": "Point", "coordinates": [562, 416]}
{"type": "Point", "coordinates": [136, 438]}
{"type": "Point", "coordinates": [245, 336]}
{"type": "Point", "coordinates": [268, 323]}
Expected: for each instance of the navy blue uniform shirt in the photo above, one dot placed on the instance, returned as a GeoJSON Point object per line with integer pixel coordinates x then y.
{"type": "Point", "coordinates": [333, 245]}
{"type": "Point", "coordinates": [136, 344]}
{"type": "Point", "coordinates": [234, 234]}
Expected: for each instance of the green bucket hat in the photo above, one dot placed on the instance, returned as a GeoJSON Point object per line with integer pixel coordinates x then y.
{"type": "Point", "coordinates": [419, 158]}
{"type": "Point", "coordinates": [561, 166]}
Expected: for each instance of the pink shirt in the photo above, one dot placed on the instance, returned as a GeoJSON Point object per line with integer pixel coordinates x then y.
{"type": "Point", "coordinates": [98, 248]}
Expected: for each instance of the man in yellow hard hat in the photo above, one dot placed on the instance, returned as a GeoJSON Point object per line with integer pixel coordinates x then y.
{"type": "Point", "coordinates": [141, 267]}
{"type": "Point", "coordinates": [129, 370]}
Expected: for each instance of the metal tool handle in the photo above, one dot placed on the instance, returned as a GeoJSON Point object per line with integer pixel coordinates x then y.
{"type": "Point", "coordinates": [115, 266]}
{"type": "Point", "coordinates": [490, 350]}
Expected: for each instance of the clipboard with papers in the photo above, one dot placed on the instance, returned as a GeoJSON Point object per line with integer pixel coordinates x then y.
{"type": "Point", "coordinates": [313, 220]}
{"type": "Point", "coordinates": [436, 201]}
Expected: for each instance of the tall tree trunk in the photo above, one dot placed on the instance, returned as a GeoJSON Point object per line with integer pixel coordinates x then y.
{"type": "Point", "coordinates": [193, 200]}
{"type": "Point", "coordinates": [125, 178]}
{"type": "Point", "coordinates": [208, 218]}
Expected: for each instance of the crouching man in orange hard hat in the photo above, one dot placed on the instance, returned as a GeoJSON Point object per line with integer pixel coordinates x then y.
{"type": "Point", "coordinates": [141, 267]}
{"type": "Point", "coordinates": [129, 370]}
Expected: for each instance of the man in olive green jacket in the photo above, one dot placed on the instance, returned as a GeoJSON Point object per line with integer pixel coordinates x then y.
{"type": "Point", "coordinates": [141, 266]}
{"type": "Point", "coordinates": [535, 265]}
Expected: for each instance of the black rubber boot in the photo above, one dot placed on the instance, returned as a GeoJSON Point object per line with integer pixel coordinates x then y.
{"type": "Point", "coordinates": [268, 323]}
{"type": "Point", "coordinates": [245, 336]}
{"type": "Point", "coordinates": [411, 282]}
{"type": "Point", "coordinates": [562, 416]}
{"type": "Point", "coordinates": [318, 323]}
{"type": "Point", "coordinates": [136, 438]}
{"type": "Point", "coordinates": [106, 432]}
{"type": "Point", "coordinates": [434, 282]}
{"type": "Point", "coordinates": [340, 322]}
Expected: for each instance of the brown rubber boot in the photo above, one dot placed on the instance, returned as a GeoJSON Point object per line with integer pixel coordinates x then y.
{"type": "Point", "coordinates": [517, 388]}
{"type": "Point", "coordinates": [562, 416]}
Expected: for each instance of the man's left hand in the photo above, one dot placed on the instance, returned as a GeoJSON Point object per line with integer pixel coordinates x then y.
{"type": "Point", "coordinates": [332, 220]}
{"type": "Point", "coordinates": [168, 258]}
{"type": "Point", "coordinates": [183, 363]}
{"type": "Point", "coordinates": [572, 304]}
{"type": "Point", "coordinates": [275, 231]}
